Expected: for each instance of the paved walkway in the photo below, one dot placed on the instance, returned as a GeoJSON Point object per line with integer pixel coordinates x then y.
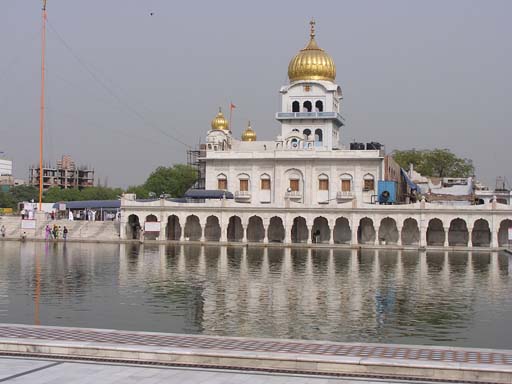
{"type": "Point", "coordinates": [16, 370]}
{"type": "Point", "coordinates": [265, 355]}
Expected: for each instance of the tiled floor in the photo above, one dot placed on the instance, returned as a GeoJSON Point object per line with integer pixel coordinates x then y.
{"type": "Point", "coordinates": [16, 371]}
{"type": "Point", "coordinates": [416, 353]}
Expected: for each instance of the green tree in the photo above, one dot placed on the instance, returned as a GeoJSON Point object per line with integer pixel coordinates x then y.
{"type": "Point", "coordinates": [173, 180]}
{"type": "Point", "coordinates": [7, 201]}
{"type": "Point", "coordinates": [100, 193]}
{"type": "Point", "coordinates": [435, 163]}
{"type": "Point", "coordinates": [24, 193]}
{"type": "Point", "coordinates": [140, 191]}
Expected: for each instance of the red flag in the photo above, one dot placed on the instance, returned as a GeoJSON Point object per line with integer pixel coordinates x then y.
{"type": "Point", "coordinates": [232, 106]}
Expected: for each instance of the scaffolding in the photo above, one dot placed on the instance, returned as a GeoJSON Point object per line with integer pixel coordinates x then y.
{"type": "Point", "coordinates": [196, 159]}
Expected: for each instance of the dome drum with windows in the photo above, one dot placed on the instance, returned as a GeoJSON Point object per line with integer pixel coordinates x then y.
{"type": "Point", "coordinates": [312, 62]}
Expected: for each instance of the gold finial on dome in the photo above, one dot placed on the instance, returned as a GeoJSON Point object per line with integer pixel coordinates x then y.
{"type": "Point", "coordinates": [312, 62]}
{"type": "Point", "coordinates": [249, 134]}
{"type": "Point", "coordinates": [219, 122]}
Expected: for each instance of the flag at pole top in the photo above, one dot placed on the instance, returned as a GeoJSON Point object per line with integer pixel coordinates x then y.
{"type": "Point", "coordinates": [232, 106]}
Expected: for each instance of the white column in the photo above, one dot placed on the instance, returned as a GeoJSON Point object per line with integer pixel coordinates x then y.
{"type": "Point", "coordinates": [161, 235]}
{"type": "Point", "coordinates": [494, 238]}
{"type": "Point", "coordinates": [223, 230]}
{"type": "Point", "coordinates": [309, 224]}
{"type": "Point", "coordinates": [470, 237]}
{"type": "Point", "coordinates": [287, 231]}
{"type": "Point", "coordinates": [244, 233]}
{"type": "Point", "coordinates": [332, 223]}
{"type": "Point", "coordinates": [202, 223]}
{"type": "Point", "coordinates": [446, 232]}
{"type": "Point", "coordinates": [266, 223]}
{"type": "Point", "coordinates": [423, 236]}
{"type": "Point", "coordinates": [399, 240]}
{"type": "Point", "coordinates": [377, 241]}
{"type": "Point", "coordinates": [353, 229]}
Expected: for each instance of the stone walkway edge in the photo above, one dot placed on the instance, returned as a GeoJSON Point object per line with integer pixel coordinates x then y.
{"type": "Point", "coordinates": [433, 363]}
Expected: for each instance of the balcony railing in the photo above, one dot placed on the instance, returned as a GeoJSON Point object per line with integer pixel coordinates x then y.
{"type": "Point", "coordinates": [310, 115]}
{"type": "Point", "coordinates": [242, 195]}
{"type": "Point", "coordinates": [294, 195]}
{"type": "Point", "coordinates": [344, 195]}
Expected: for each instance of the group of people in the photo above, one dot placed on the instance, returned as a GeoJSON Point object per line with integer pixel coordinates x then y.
{"type": "Point", "coordinates": [55, 232]}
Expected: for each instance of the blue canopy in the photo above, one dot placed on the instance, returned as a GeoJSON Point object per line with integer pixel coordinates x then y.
{"type": "Point", "coordinates": [90, 204]}
{"type": "Point", "coordinates": [409, 182]}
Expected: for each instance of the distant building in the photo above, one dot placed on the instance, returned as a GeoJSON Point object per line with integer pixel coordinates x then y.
{"type": "Point", "coordinates": [65, 175]}
{"type": "Point", "coordinates": [5, 167]}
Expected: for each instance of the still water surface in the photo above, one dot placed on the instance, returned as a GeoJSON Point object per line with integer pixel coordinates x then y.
{"type": "Point", "coordinates": [446, 298]}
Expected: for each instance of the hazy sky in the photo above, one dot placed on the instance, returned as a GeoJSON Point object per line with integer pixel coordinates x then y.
{"type": "Point", "coordinates": [121, 83]}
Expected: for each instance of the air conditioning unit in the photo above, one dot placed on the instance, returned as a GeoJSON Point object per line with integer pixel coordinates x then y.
{"type": "Point", "coordinates": [387, 192]}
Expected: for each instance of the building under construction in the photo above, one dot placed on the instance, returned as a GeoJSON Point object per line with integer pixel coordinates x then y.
{"type": "Point", "coordinates": [65, 175]}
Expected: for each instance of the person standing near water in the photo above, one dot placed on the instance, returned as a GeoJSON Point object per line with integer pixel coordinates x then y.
{"type": "Point", "coordinates": [2, 230]}
{"type": "Point", "coordinates": [65, 233]}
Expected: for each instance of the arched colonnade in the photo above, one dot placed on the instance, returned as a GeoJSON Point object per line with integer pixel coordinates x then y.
{"type": "Point", "coordinates": [372, 230]}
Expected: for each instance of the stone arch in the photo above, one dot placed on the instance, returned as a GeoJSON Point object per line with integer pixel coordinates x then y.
{"type": "Point", "coordinates": [222, 182]}
{"type": "Point", "coordinates": [133, 227]}
{"type": "Point", "coordinates": [295, 106]}
{"type": "Point", "coordinates": [435, 232]}
{"type": "Point", "coordinates": [319, 106]}
{"type": "Point", "coordinates": [212, 229]}
{"type": "Point", "coordinates": [255, 229]}
{"type": "Point", "coordinates": [458, 232]}
{"type": "Point", "coordinates": [388, 231]}
{"type": "Point", "coordinates": [193, 230]}
{"type": "Point", "coordinates": [173, 231]}
{"type": "Point", "coordinates": [481, 234]}
{"type": "Point", "coordinates": [307, 106]}
{"type": "Point", "coordinates": [276, 232]}
{"type": "Point", "coordinates": [368, 182]}
{"type": "Point", "coordinates": [410, 232]}
{"type": "Point", "coordinates": [503, 232]}
{"type": "Point", "coordinates": [299, 230]}
{"type": "Point", "coordinates": [320, 232]}
{"type": "Point", "coordinates": [235, 229]}
{"type": "Point", "coordinates": [366, 231]}
{"type": "Point", "coordinates": [501, 200]}
{"type": "Point", "coordinates": [151, 235]}
{"type": "Point", "coordinates": [342, 233]}
{"type": "Point", "coordinates": [294, 179]}
{"type": "Point", "coordinates": [306, 133]}
{"type": "Point", "coordinates": [319, 136]}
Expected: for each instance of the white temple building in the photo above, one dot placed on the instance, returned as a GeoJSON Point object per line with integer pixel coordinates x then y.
{"type": "Point", "coordinates": [306, 163]}
{"type": "Point", "coordinates": [306, 186]}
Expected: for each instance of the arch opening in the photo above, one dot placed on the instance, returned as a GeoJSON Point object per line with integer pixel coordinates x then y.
{"type": "Point", "coordinates": [481, 234]}
{"type": "Point", "coordinates": [342, 233]}
{"type": "Point", "coordinates": [320, 232]}
{"type": "Point", "coordinates": [133, 227]}
{"type": "Point", "coordinates": [366, 231]}
{"type": "Point", "coordinates": [503, 232]}
{"type": "Point", "coordinates": [235, 229]}
{"type": "Point", "coordinates": [173, 228]}
{"type": "Point", "coordinates": [212, 229]}
{"type": "Point", "coordinates": [435, 232]}
{"type": "Point", "coordinates": [458, 233]}
{"type": "Point", "coordinates": [295, 106]}
{"type": "Point", "coordinates": [388, 231]}
{"type": "Point", "coordinates": [299, 230]}
{"type": "Point", "coordinates": [319, 106]}
{"type": "Point", "coordinates": [193, 230]}
{"type": "Point", "coordinates": [150, 235]}
{"type": "Point", "coordinates": [410, 232]}
{"type": "Point", "coordinates": [255, 230]}
{"type": "Point", "coordinates": [276, 231]}
{"type": "Point", "coordinates": [307, 106]}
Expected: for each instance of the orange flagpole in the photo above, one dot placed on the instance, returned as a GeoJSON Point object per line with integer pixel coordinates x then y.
{"type": "Point", "coordinates": [41, 112]}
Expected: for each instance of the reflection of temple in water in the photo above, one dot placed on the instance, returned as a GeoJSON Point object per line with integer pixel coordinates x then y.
{"type": "Point", "coordinates": [319, 293]}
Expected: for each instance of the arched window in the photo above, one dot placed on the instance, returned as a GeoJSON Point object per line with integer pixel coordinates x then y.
{"type": "Point", "coordinates": [369, 182]}
{"type": "Point", "coordinates": [295, 130]}
{"type": "Point", "coordinates": [294, 143]}
{"type": "Point", "coordinates": [318, 137]}
{"type": "Point", "coordinates": [307, 133]}
{"type": "Point", "coordinates": [243, 180]}
{"type": "Point", "coordinates": [323, 182]}
{"type": "Point", "coordinates": [319, 106]}
{"type": "Point", "coordinates": [307, 106]}
{"type": "Point", "coordinates": [222, 182]}
{"type": "Point", "coordinates": [346, 183]}
{"type": "Point", "coordinates": [295, 106]}
{"type": "Point", "coordinates": [265, 182]}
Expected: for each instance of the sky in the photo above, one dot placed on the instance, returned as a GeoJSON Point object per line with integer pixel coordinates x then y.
{"type": "Point", "coordinates": [131, 83]}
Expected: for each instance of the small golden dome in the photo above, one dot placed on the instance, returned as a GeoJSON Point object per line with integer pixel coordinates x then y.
{"type": "Point", "coordinates": [249, 134]}
{"type": "Point", "coordinates": [220, 122]}
{"type": "Point", "coordinates": [312, 62]}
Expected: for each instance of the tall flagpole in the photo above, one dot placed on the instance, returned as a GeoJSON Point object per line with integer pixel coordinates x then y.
{"type": "Point", "coordinates": [41, 113]}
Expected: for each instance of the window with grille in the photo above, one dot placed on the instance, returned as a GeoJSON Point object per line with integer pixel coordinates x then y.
{"type": "Point", "coordinates": [265, 184]}
{"type": "Point", "coordinates": [222, 184]}
{"type": "Point", "coordinates": [369, 185]}
{"type": "Point", "coordinates": [323, 184]}
{"type": "Point", "coordinates": [294, 185]}
{"type": "Point", "coordinates": [346, 185]}
{"type": "Point", "coordinates": [244, 185]}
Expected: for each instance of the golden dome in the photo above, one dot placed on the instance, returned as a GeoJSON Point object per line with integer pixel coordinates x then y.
{"type": "Point", "coordinates": [312, 62]}
{"type": "Point", "coordinates": [220, 122]}
{"type": "Point", "coordinates": [249, 134]}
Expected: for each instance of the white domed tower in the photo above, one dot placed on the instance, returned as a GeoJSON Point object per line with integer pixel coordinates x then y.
{"type": "Point", "coordinates": [309, 116]}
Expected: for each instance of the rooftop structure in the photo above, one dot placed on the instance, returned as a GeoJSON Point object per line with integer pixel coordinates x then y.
{"type": "Point", "coordinates": [66, 174]}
